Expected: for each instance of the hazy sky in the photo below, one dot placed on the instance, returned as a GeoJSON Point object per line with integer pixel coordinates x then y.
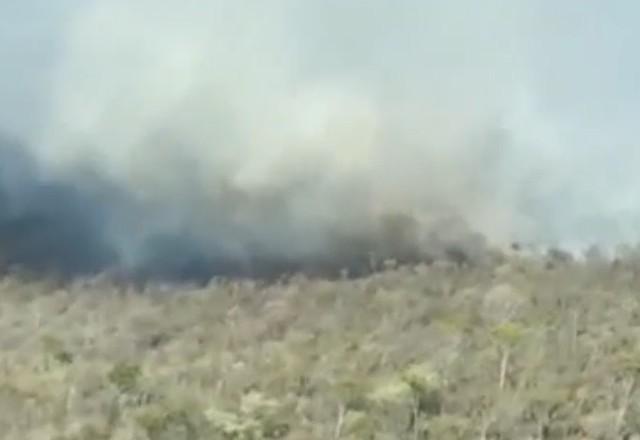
{"type": "Point", "coordinates": [31, 38]}
{"type": "Point", "coordinates": [521, 114]}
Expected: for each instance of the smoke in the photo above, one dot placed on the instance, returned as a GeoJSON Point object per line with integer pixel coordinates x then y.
{"type": "Point", "coordinates": [189, 138]}
{"type": "Point", "coordinates": [46, 222]}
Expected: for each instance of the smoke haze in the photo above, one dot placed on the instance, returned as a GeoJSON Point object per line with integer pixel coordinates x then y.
{"type": "Point", "coordinates": [182, 138]}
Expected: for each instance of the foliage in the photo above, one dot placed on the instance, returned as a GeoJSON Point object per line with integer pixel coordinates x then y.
{"type": "Point", "coordinates": [516, 348]}
{"type": "Point", "coordinates": [125, 376]}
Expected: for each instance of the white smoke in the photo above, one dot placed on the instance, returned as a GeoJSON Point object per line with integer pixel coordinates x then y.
{"type": "Point", "coordinates": [283, 119]}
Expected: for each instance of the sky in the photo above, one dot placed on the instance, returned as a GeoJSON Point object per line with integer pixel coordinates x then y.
{"type": "Point", "coordinates": [517, 116]}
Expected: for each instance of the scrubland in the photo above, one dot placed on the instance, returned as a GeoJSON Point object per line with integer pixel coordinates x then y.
{"type": "Point", "coordinates": [514, 347]}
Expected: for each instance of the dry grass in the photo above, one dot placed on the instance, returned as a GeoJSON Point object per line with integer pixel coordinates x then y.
{"type": "Point", "coordinates": [510, 350]}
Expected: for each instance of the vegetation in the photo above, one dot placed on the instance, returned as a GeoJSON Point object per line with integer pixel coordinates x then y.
{"type": "Point", "coordinates": [513, 348]}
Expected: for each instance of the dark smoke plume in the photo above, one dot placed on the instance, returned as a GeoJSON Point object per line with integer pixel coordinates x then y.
{"type": "Point", "coordinates": [68, 228]}
{"type": "Point", "coordinates": [50, 224]}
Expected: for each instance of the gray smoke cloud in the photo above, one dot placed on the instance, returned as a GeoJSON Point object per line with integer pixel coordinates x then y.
{"type": "Point", "coordinates": [246, 136]}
